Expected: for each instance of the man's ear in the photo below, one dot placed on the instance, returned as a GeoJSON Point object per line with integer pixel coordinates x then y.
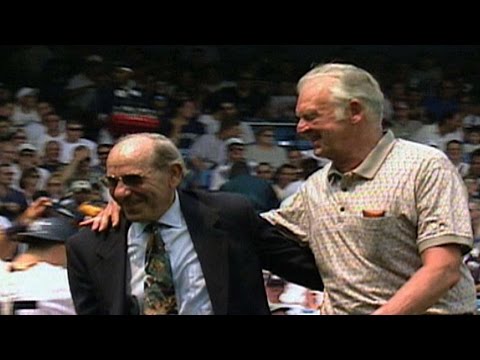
{"type": "Point", "coordinates": [176, 176]}
{"type": "Point", "coordinates": [356, 111]}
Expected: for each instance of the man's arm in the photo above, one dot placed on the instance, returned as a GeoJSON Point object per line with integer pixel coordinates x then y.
{"type": "Point", "coordinates": [439, 273]}
{"type": "Point", "coordinates": [8, 245]}
{"type": "Point", "coordinates": [281, 254]}
{"type": "Point", "coordinates": [278, 252]}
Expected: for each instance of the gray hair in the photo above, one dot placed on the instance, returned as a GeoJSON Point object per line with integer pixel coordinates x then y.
{"type": "Point", "coordinates": [353, 83]}
{"type": "Point", "coordinates": [165, 153]}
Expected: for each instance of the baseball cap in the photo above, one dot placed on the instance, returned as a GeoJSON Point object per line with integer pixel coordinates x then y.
{"type": "Point", "coordinates": [94, 58]}
{"type": "Point", "coordinates": [27, 147]}
{"type": "Point", "coordinates": [234, 141]}
{"type": "Point", "coordinates": [26, 91]}
{"type": "Point", "coordinates": [80, 185]}
{"type": "Point", "coordinates": [55, 229]}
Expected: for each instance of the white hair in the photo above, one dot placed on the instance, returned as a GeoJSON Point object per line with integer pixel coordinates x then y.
{"type": "Point", "coordinates": [353, 83]}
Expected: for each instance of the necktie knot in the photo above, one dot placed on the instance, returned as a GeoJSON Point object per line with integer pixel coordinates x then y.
{"type": "Point", "coordinates": [155, 240]}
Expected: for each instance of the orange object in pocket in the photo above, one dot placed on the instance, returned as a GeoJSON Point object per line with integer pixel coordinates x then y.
{"type": "Point", "coordinates": [373, 213]}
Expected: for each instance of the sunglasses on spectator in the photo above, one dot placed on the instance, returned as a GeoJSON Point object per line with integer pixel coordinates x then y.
{"type": "Point", "coordinates": [81, 191]}
{"type": "Point", "coordinates": [236, 148]}
{"type": "Point", "coordinates": [130, 180]}
{"type": "Point", "coordinates": [54, 184]}
{"type": "Point", "coordinates": [75, 128]}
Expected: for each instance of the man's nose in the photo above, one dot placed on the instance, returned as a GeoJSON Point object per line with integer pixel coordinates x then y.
{"type": "Point", "coordinates": [302, 126]}
{"type": "Point", "coordinates": [121, 190]}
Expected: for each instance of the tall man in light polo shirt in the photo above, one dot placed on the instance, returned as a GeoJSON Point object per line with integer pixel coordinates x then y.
{"type": "Point", "coordinates": [388, 219]}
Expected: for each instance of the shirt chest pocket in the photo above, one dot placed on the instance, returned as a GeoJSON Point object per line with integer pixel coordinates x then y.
{"type": "Point", "coordinates": [374, 238]}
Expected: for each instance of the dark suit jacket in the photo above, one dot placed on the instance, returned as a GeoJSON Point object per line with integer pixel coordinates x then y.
{"type": "Point", "coordinates": [233, 245]}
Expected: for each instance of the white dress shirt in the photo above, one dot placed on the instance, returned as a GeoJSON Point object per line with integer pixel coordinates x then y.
{"type": "Point", "coordinates": [189, 282]}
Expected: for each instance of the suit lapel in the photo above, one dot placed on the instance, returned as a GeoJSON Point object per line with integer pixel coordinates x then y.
{"type": "Point", "coordinates": [211, 245]}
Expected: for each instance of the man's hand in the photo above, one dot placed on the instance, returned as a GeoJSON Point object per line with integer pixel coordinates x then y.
{"type": "Point", "coordinates": [110, 216]}
{"type": "Point", "coordinates": [81, 155]}
{"type": "Point", "coordinates": [35, 210]}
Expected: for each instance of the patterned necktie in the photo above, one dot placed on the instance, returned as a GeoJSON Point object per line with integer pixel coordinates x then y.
{"type": "Point", "coordinates": [158, 286]}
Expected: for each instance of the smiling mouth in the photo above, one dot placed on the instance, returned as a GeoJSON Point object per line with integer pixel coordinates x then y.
{"type": "Point", "coordinates": [132, 204]}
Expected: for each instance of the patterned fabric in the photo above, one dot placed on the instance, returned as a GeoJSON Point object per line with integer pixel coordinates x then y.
{"type": "Point", "coordinates": [364, 260]}
{"type": "Point", "coordinates": [159, 289]}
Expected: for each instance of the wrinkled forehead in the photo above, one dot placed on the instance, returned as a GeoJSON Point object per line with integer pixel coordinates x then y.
{"type": "Point", "coordinates": [119, 167]}
{"type": "Point", "coordinates": [317, 89]}
{"type": "Point", "coordinates": [312, 101]}
{"type": "Point", "coordinates": [129, 156]}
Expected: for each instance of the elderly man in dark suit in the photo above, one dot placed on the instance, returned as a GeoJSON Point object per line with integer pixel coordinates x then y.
{"type": "Point", "coordinates": [215, 243]}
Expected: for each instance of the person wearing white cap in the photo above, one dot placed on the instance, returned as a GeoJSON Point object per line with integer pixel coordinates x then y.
{"type": "Point", "coordinates": [80, 193]}
{"type": "Point", "coordinates": [235, 152]}
{"type": "Point", "coordinates": [28, 158]}
{"type": "Point", "coordinates": [209, 151]}
{"type": "Point", "coordinates": [25, 111]}
{"type": "Point", "coordinates": [26, 91]}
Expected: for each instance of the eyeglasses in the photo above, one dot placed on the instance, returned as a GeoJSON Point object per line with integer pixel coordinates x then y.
{"type": "Point", "coordinates": [130, 180]}
{"type": "Point", "coordinates": [236, 148]}
{"type": "Point", "coordinates": [81, 191]}
{"type": "Point", "coordinates": [54, 184]}
{"type": "Point", "coordinates": [74, 129]}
